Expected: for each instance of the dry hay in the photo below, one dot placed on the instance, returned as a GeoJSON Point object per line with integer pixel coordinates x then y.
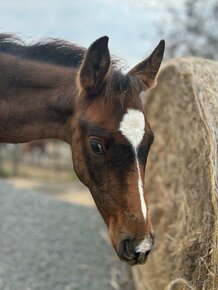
{"type": "Point", "coordinates": [181, 177]}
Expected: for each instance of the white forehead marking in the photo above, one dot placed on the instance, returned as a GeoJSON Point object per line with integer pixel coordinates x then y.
{"type": "Point", "coordinates": [132, 127]}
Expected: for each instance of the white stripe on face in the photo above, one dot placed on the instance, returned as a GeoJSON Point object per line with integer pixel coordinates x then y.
{"type": "Point", "coordinates": [132, 127]}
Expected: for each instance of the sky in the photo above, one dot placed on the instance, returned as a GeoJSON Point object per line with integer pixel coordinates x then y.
{"type": "Point", "coordinates": [132, 25]}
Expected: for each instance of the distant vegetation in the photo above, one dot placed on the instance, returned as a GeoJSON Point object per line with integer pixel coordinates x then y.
{"type": "Point", "coordinates": [192, 29]}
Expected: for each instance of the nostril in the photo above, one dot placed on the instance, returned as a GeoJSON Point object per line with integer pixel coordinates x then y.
{"type": "Point", "coordinates": [142, 257]}
{"type": "Point", "coordinates": [148, 252]}
{"type": "Point", "coordinates": [127, 249]}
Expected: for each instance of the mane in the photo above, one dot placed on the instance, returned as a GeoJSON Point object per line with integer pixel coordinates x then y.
{"type": "Point", "coordinates": [51, 50]}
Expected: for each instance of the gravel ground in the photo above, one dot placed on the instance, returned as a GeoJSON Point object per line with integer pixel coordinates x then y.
{"type": "Point", "coordinates": [46, 244]}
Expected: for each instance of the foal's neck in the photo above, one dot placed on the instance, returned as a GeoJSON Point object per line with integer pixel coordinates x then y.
{"type": "Point", "coordinates": [36, 101]}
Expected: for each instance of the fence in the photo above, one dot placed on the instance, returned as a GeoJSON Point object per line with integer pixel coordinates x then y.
{"type": "Point", "coordinates": [42, 159]}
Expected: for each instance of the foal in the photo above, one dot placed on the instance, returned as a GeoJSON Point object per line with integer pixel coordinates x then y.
{"type": "Point", "coordinates": [54, 89]}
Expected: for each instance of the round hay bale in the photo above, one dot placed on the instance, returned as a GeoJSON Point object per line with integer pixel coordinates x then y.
{"type": "Point", "coordinates": [181, 177]}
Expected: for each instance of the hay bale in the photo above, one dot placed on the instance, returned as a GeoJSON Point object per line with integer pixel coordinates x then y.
{"type": "Point", "coordinates": [181, 177]}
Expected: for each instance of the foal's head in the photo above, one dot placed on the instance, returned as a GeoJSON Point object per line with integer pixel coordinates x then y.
{"type": "Point", "coordinates": [111, 140]}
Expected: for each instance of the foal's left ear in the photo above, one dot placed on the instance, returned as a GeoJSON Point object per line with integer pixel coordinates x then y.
{"type": "Point", "coordinates": [147, 69]}
{"type": "Point", "coordinates": [95, 66]}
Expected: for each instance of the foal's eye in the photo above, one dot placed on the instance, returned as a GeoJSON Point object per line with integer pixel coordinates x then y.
{"type": "Point", "coordinates": [96, 147]}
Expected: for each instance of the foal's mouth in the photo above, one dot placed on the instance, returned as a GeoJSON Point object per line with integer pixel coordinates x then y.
{"type": "Point", "coordinates": [139, 259]}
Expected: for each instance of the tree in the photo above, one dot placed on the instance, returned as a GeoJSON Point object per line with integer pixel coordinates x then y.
{"type": "Point", "coordinates": [193, 29]}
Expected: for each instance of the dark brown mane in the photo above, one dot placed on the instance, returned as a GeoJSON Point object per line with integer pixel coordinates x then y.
{"type": "Point", "coordinates": [52, 51]}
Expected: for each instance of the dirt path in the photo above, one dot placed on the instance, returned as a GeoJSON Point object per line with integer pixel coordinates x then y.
{"type": "Point", "coordinates": [55, 241]}
{"type": "Point", "coordinates": [74, 192]}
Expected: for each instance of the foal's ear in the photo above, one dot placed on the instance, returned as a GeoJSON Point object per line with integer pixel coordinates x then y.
{"type": "Point", "coordinates": [95, 66]}
{"type": "Point", "coordinates": [147, 69]}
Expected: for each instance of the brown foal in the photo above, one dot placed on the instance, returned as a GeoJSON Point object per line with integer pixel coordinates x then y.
{"type": "Point", "coordinates": [53, 89]}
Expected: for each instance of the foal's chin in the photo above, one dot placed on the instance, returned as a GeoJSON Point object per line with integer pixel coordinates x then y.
{"type": "Point", "coordinates": [135, 261]}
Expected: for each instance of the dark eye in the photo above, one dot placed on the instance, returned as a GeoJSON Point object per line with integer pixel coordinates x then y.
{"type": "Point", "coordinates": [96, 147]}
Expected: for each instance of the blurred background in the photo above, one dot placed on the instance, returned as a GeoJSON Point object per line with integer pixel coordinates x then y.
{"type": "Point", "coordinates": [134, 27]}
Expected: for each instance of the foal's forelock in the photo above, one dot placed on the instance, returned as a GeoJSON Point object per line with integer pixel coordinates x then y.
{"type": "Point", "coordinates": [123, 85]}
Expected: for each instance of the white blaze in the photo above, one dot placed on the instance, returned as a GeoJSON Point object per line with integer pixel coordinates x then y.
{"type": "Point", "coordinates": [132, 127]}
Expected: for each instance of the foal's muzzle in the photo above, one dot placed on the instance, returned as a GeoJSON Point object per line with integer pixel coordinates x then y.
{"type": "Point", "coordinates": [134, 252]}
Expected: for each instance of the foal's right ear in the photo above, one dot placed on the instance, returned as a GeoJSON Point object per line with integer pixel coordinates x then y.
{"type": "Point", "coordinates": [95, 66]}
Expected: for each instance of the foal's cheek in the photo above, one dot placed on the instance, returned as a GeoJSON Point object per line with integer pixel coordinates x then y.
{"type": "Point", "coordinates": [79, 165]}
{"type": "Point", "coordinates": [81, 174]}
